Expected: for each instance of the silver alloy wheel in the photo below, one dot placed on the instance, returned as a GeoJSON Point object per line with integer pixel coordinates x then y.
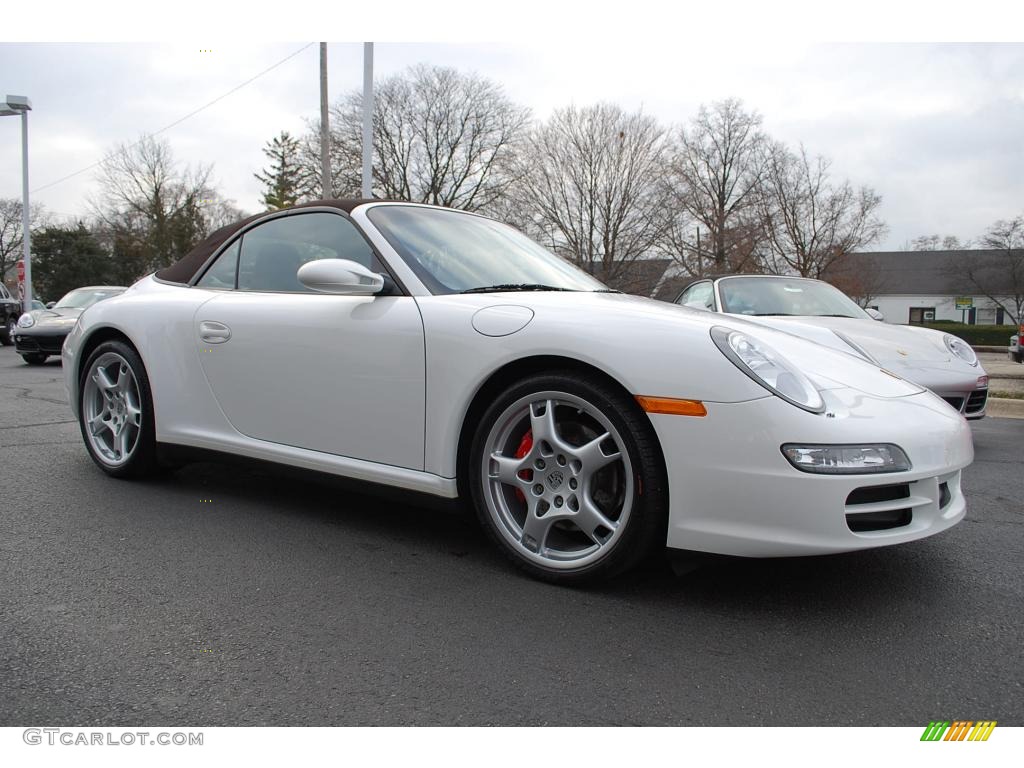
{"type": "Point", "coordinates": [112, 409]}
{"type": "Point", "coordinates": [567, 499]}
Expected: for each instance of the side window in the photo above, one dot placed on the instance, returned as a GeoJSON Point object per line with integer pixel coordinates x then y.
{"type": "Point", "coordinates": [3, 292]}
{"type": "Point", "coordinates": [699, 296]}
{"type": "Point", "coordinates": [273, 252]}
{"type": "Point", "coordinates": [221, 273]}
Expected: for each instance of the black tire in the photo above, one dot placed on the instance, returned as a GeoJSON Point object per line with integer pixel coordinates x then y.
{"type": "Point", "coordinates": [7, 332]}
{"type": "Point", "coordinates": [142, 461]}
{"type": "Point", "coordinates": [644, 530]}
{"type": "Point", "coordinates": [34, 358]}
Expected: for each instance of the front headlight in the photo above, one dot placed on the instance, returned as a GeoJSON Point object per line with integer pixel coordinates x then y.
{"type": "Point", "coordinates": [847, 459]}
{"type": "Point", "coordinates": [768, 368]}
{"type": "Point", "coordinates": [26, 321]}
{"type": "Point", "coordinates": [961, 349]}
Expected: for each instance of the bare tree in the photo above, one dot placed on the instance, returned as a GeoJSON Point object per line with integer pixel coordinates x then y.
{"type": "Point", "coordinates": [859, 276]}
{"type": "Point", "coordinates": [11, 235]}
{"type": "Point", "coordinates": [809, 220]}
{"type": "Point", "coordinates": [591, 187]}
{"type": "Point", "coordinates": [151, 211]}
{"type": "Point", "coordinates": [1001, 280]}
{"type": "Point", "coordinates": [937, 243]}
{"type": "Point", "coordinates": [714, 178]}
{"type": "Point", "coordinates": [439, 136]}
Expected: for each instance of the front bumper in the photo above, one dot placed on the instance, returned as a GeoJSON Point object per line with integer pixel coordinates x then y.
{"type": "Point", "coordinates": [956, 383]}
{"type": "Point", "coordinates": [47, 341]}
{"type": "Point", "coordinates": [733, 492]}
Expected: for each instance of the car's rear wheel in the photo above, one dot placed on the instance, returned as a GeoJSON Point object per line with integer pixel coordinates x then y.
{"type": "Point", "coordinates": [567, 476]}
{"type": "Point", "coordinates": [116, 411]}
{"type": "Point", "coordinates": [34, 358]}
{"type": "Point", "coordinates": [7, 332]}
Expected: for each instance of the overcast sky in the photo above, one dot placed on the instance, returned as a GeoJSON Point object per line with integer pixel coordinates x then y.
{"type": "Point", "coordinates": [938, 130]}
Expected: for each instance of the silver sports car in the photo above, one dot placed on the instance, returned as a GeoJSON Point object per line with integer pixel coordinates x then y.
{"type": "Point", "coordinates": [821, 312]}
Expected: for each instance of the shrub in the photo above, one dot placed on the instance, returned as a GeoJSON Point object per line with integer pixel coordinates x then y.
{"type": "Point", "coordinates": [978, 335]}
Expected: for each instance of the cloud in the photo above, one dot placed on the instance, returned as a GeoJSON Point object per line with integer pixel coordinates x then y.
{"type": "Point", "coordinates": [935, 128]}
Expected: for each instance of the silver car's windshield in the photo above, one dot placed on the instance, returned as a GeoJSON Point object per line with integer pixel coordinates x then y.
{"type": "Point", "coordinates": [86, 297]}
{"type": "Point", "coordinates": [785, 296]}
{"type": "Point", "coordinates": [453, 252]}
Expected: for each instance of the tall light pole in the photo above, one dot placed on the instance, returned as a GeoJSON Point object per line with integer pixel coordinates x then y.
{"type": "Point", "coordinates": [325, 130]}
{"type": "Point", "coordinates": [367, 120]}
{"type": "Point", "coordinates": [20, 105]}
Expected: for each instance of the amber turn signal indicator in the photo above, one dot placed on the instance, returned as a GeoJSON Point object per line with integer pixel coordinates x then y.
{"type": "Point", "coordinates": [672, 406]}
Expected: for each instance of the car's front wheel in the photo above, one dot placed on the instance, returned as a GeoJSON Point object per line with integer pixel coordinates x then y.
{"type": "Point", "coordinates": [116, 411]}
{"type": "Point", "coordinates": [567, 476]}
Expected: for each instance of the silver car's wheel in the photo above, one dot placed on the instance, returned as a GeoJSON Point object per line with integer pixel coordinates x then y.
{"type": "Point", "coordinates": [112, 409]}
{"type": "Point", "coordinates": [115, 411]}
{"type": "Point", "coordinates": [567, 476]}
{"type": "Point", "coordinates": [559, 483]}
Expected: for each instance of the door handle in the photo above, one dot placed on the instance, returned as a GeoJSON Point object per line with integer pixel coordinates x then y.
{"type": "Point", "coordinates": [213, 332]}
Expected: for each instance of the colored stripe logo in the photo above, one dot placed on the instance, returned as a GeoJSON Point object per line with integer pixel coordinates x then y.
{"type": "Point", "coordinates": [958, 730]}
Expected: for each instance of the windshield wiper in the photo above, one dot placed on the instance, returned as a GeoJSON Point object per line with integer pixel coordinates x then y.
{"type": "Point", "coordinates": [514, 287]}
{"type": "Point", "coordinates": [773, 314]}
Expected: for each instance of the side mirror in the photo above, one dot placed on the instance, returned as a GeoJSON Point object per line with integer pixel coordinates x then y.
{"type": "Point", "coordinates": [340, 276]}
{"type": "Point", "coordinates": [875, 314]}
{"type": "Point", "coordinates": [51, 304]}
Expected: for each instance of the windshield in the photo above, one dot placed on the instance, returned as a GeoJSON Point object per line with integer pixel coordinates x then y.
{"type": "Point", "coordinates": [453, 252]}
{"type": "Point", "coordinates": [86, 297]}
{"type": "Point", "coordinates": [785, 296]}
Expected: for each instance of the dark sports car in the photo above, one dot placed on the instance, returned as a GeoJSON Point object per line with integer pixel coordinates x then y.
{"type": "Point", "coordinates": [41, 332]}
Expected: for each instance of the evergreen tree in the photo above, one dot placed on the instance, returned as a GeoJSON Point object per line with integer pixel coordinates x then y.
{"type": "Point", "coordinates": [285, 180]}
{"type": "Point", "coordinates": [65, 258]}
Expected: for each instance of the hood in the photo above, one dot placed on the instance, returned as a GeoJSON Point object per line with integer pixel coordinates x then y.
{"type": "Point", "coordinates": [886, 343]}
{"type": "Point", "coordinates": [63, 317]}
{"type": "Point", "coordinates": [828, 368]}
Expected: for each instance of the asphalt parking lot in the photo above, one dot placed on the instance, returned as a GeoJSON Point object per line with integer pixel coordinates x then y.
{"type": "Point", "coordinates": [223, 595]}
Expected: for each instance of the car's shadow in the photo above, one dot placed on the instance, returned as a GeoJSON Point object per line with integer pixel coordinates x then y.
{"type": "Point", "coordinates": [871, 584]}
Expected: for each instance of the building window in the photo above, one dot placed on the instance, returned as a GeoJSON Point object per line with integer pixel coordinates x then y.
{"type": "Point", "coordinates": [986, 316]}
{"type": "Point", "coordinates": [922, 315]}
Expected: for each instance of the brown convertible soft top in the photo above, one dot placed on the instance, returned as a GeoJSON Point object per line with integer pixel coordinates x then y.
{"type": "Point", "coordinates": [183, 270]}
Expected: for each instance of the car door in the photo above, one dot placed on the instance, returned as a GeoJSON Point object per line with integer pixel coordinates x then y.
{"type": "Point", "coordinates": [338, 374]}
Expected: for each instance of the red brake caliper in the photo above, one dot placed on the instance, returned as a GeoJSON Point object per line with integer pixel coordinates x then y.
{"type": "Point", "coordinates": [525, 445]}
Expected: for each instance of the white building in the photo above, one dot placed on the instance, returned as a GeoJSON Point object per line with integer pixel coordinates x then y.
{"type": "Point", "coordinates": [916, 287]}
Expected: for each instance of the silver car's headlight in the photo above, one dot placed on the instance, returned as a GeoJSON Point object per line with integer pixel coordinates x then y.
{"type": "Point", "coordinates": [768, 368]}
{"type": "Point", "coordinates": [961, 349]}
{"type": "Point", "coordinates": [847, 459]}
{"type": "Point", "coordinates": [26, 321]}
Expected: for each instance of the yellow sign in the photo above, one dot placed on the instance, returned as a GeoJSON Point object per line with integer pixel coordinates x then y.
{"type": "Point", "coordinates": [964, 302]}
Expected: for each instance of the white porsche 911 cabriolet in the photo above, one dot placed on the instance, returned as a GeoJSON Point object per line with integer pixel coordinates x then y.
{"type": "Point", "coordinates": [442, 352]}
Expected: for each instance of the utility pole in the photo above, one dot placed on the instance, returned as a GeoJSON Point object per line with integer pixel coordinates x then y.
{"type": "Point", "coordinates": [325, 129]}
{"type": "Point", "coordinates": [700, 262]}
{"type": "Point", "coordinates": [367, 120]}
{"type": "Point", "coordinates": [20, 105]}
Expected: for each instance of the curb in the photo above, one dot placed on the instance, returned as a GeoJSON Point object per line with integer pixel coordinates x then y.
{"type": "Point", "coordinates": [1004, 408]}
{"type": "Point", "coordinates": [989, 348]}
